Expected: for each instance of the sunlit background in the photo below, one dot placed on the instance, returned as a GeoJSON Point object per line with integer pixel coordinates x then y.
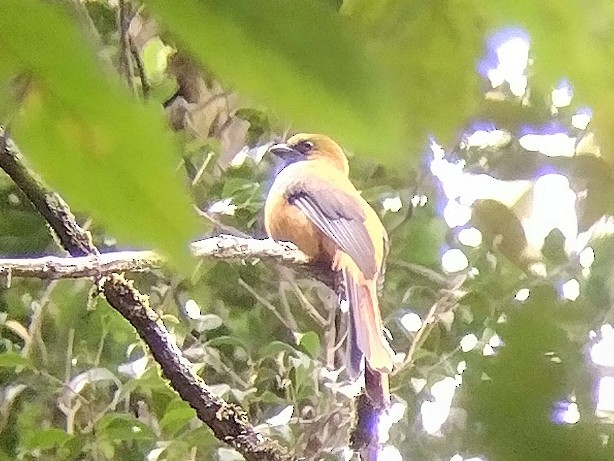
{"type": "Point", "coordinates": [552, 206]}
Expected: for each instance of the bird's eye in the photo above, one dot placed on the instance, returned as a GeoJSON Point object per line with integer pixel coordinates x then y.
{"type": "Point", "coordinates": [304, 146]}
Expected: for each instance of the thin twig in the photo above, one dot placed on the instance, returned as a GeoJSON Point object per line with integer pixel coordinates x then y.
{"type": "Point", "coordinates": [140, 68]}
{"type": "Point", "coordinates": [446, 303]}
{"type": "Point", "coordinates": [420, 271]}
{"type": "Point", "coordinates": [309, 308]}
{"type": "Point", "coordinates": [226, 369]}
{"type": "Point", "coordinates": [197, 177]}
{"type": "Point", "coordinates": [266, 304]}
{"type": "Point", "coordinates": [125, 55]}
{"type": "Point", "coordinates": [330, 335]}
{"type": "Point", "coordinates": [286, 305]}
{"type": "Point", "coordinates": [69, 355]}
{"type": "Point", "coordinates": [36, 323]}
{"type": "Point", "coordinates": [220, 225]}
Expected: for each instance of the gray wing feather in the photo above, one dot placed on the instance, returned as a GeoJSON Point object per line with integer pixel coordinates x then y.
{"type": "Point", "coordinates": [340, 218]}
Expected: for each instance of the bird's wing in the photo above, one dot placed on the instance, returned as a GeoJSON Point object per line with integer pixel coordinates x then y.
{"type": "Point", "coordinates": [340, 216]}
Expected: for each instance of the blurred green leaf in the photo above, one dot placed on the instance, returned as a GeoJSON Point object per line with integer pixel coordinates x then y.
{"type": "Point", "coordinates": [276, 347]}
{"type": "Point", "coordinates": [513, 394]}
{"type": "Point", "coordinates": [226, 341]}
{"type": "Point", "coordinates": [431, 48]}
{"type": "Point", "coordinates": [106, 154]}
{"type": "Point", "coordinates": [22, 232]}
{"type": "Point", "coordinates": [176, 416]}
{"type": "Point", "coordinates": [259, 123]}
{"type": "Point", "coordinates": [155, 57]}
{"type": "Point", "coordinates": [104, 17]}
{"type": "Point", "coordinates": [208, 322]}
{"type": "Point", "coordinates": [273, 51]}
{"type": "Point", "coordinates": [235, 186]}
{"type": "Point", "coordinates": [13, 359]}
{"type": "Point", "coordinates": [503, 229]}
{"type": "Point", "coordinates": [554, 248]}
{"type": "Point", "coordinates": [73, 447]}
{"type": "Point", "coordinates": [420, 240]}
{"type": "Point", "coordinates": [122, 427]}
{"type": "Point", "coordinates": [45, 439]}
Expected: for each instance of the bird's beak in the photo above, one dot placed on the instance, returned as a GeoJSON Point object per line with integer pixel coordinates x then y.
{"type": "Point", "coordinates": [282, 150]}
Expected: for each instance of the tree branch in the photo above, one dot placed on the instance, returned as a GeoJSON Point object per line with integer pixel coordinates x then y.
{"type": "Point", "coordinates": [223, 247]}
{"type": "Point", "coordinates": [219, 247]}
{"type": "Point", "coordinates": [230, 247]}
{"type": "Point", "coordinates": [55, 267]}
{"type": "Point", "coordinates": [228, 422]}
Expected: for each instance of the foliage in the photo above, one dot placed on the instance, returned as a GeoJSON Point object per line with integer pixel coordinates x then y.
{"type": "Point", "coordinates": [378, 75]}
{"type": "Point", "coordinates": [70, 112]}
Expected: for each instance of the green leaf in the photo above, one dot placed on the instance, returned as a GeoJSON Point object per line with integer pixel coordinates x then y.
{"type": "Point", "coordinates": [311, 342]}
{"type": "Point", "coordinates": [420, 239]}
{"type": "Point", "coordinates": [300, 58]}
{"type": "Point", "coordinates": [117, 426]}
{"type": "Point", "coordinates": [105, 153]}
{"type": "Point", "coordinates": [45, 439]}
{"type": "Point", "coordinates": [21, 230]}
{"type": "Point", "coordinates": [227, 341]}
{"type": "Point", "coordinates": [276, 347]}
{"type": "Point", "coordinates": [13, 359]}
{"type": "Point", "coordinates": [208, 322]}
{"type": "Point", "coordinates": [155, 57]}
{"type": "Point", "coordinates": [176, 416]}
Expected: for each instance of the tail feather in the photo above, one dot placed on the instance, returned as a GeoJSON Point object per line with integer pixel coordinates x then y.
{"type": "Point", "coordinates": [366, 327]}
{"type": "Point", "coordinates": [377, 387]}
{"type": "Point", "coordinates": [355, 356]}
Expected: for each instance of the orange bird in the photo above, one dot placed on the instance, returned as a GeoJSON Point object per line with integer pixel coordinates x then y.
{"type": "Point", "coordinates": [313, 204]}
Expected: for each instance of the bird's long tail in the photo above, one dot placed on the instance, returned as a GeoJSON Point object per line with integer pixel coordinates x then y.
{"type": "Point", "coordinates": [366, 337]}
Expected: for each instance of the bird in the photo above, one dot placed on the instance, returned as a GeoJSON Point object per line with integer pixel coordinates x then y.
{"type": "Point", "coordinates": [313, 204]}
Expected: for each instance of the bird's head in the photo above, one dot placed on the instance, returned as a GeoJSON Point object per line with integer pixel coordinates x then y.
{"type": "Point", "coordinates": [304, 146]}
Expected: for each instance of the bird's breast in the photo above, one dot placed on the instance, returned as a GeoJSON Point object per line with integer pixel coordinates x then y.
{"type": "Point", "coordinates": [286, 222]}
